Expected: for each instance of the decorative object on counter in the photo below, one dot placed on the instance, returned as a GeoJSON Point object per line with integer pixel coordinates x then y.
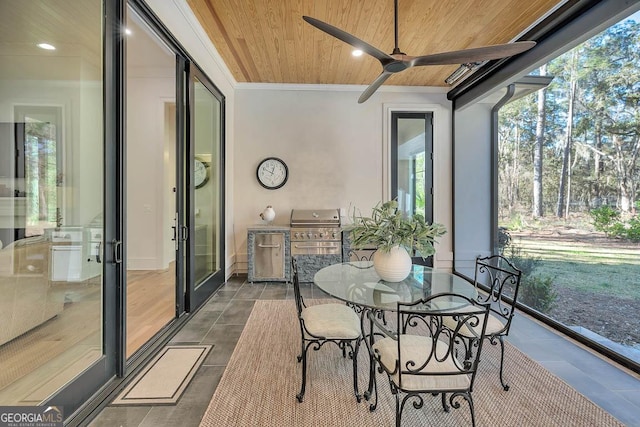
{"type": "Point", "coordinates": [395, 235]}
{"type": "Point", "coordinates": [272, 173]}
{"type": "Point", "coordinates": [268, 214]}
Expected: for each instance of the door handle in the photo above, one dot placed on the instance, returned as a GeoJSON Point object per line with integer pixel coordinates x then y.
{"type": "Point", "coordinates": [117, 251]}
{"type": "Point", "coordinates": [98, 251]}
{"type": "Point", "coordinates": [185, 233]}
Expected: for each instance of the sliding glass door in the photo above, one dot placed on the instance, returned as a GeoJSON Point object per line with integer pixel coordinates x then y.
{"type": "Point", "coordinates": [151, 215]}
{"type": "Point", "coordinates": [205, 189]}
{"type": "Point", "coordinates": [51, 203]}
{"type": "Point", "coordinates": [111, 195]}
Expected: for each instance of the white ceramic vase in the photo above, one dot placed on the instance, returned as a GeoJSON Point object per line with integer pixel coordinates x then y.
{"type": "Point", "coordinates": [268, 214]}
{"type": "Point", "coordinates": [394, 265]}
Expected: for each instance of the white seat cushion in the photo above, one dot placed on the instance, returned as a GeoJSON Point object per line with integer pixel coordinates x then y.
{"type": "Point", "coordinates": [418, 348]}
{"type": "Point", "coordinates": [333, 321]}
{"type": "Point", "coordinates": [494, 324]}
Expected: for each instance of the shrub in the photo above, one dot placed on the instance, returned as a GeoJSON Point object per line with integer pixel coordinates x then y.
{"type": "Point", "coordinates": [633, 230]}
{"type": "Point", "coordinates": [504, 239]}
{"type": "Point", "coordinates": [604, 218]}
{"type": "Point", "coordinates": [617, 229]}
{"type": "Point", "coordinates": [537, 292]}
{"type": "Point", "coordinates": [524, 263]}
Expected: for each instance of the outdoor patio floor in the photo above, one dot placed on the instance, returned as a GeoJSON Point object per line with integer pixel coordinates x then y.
{"type": "Point", "coordinates": [222, 318]}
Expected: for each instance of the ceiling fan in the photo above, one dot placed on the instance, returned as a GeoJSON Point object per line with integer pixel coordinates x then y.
{"type": "Point", "coordinates": [398, 61]}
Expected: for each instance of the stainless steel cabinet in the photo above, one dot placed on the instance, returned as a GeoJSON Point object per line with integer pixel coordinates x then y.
{"type": "Point", "coordinates": [268, 255]}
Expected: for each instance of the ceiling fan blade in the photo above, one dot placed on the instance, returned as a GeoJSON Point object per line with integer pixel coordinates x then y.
{"type": "Point", "coordinates": [349, 39]}
{"type": "Point", "coordinates": [374, 86]}
{"type": "Point", "coordinates": [478, 54]}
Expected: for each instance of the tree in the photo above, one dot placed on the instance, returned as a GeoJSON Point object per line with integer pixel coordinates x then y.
{"type": "Point", "coordinates": [538, 208]}
{"type": "Point", "coordinates": [566, 151]}
{"type": "Point", "coordinates": [614, 100]}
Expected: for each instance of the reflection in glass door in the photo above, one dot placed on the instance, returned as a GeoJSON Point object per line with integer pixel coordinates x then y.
{"type": "Point", "coordinates": [51, 193]}
{"type": "Point", "coordinates": [151, 184]}
{"type": "Point", "coordinates": [205, 246]}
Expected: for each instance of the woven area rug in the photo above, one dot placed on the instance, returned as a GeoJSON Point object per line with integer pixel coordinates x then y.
{"type": "Point", "coordinates": [165, 378]}
{"type": "Point", "coordinates": [259, 386]}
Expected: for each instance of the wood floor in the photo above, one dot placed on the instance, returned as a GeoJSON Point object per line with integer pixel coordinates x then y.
{"type": "Point", "coordinates": [37, 363]}
{"type": "Point", "coordinates": [151, 304]}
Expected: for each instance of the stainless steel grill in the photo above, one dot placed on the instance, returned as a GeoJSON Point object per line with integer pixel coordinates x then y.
{"type": "Point", "coordinates": [316, 240]}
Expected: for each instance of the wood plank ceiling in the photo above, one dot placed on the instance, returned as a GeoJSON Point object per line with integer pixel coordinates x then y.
{"type": "Point", "coordinates": [266, 41]}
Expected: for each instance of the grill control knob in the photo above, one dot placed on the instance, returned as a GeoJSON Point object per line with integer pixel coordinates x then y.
{"type": "Point", "coordinates": [309, 235]}
{"type": "Point", "coordinates": [333, 235]}
{"type": "Point", "coordinates": [321, 235]}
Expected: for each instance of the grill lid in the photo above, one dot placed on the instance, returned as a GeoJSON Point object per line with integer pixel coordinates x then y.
{"type": "Point", "coordinates": [317, 217]}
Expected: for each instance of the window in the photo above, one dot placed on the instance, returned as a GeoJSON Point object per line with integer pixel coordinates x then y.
{"type": "Point", "coordinates": [411, 156]}
{"type": "Point", "coordinates": [568, 176]}
{"type": "Point", "coordinates": [40, 163]}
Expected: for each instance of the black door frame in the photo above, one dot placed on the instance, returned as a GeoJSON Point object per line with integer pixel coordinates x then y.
{"type": "Point", "coordinates": [91, 391]}
{"type": "Point", "coordinates": [427, 116]}
{"type": "Point", "coordinates": [197, 296]}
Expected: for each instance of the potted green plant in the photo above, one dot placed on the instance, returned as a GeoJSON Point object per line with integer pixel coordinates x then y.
{"type": "Point", "coordinates": [395, 235]}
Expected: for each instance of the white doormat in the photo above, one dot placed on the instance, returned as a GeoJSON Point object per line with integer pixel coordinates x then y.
{"type": "Point", "coordinates": [165, 378]}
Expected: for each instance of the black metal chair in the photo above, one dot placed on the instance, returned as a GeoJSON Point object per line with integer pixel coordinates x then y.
{"type": "Point", "coordinates": [361, 254]}
{"type": "Point", "coordinates": [427, 355]}
{"type": "Point", "coordinates": [498, 278]}
{"type": "Point", "coordinates": [326, 323]}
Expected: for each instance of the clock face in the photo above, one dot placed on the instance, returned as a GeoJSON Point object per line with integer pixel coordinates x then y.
{"type": "Point", "coordinates": [201, 173]}
{"type": "Point", "coordinates": [272, 173]}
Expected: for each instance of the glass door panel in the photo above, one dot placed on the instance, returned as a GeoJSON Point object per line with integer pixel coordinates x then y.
{"type": "Point", "coordinates": [205, 189]}
{"type": "Point", "coordinates": [412, 167]}
{"type": "Point", "coordinates": [51, 200]}
{"type": "Point", "coordinates": [206, 183]}
{"type": "Point", "coordinates": [151, 184]}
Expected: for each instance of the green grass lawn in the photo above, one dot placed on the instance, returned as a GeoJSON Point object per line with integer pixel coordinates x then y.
{"type": "Point", "coordinates": [585, 267]}
{"type": "Point", "coordinates": [621, 280]}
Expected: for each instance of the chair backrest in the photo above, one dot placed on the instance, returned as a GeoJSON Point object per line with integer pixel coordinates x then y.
{"type": "Point", "coordinates": [500, 278]}
{"type": "Point", "coordinates": [439, 322]}
{"type": "Point", "coordinates": [361, 254]}
{"type": "Point", "coordinates": [296, 286]}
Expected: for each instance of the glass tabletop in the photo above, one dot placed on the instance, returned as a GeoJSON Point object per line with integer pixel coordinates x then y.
{"type": "Point", "coordinates": [357, 282]}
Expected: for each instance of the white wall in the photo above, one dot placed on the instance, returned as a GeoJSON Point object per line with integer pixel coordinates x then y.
{"type": "Point", "coordinates": [333, 147]}
{"type": "Point", "coordinates": [147, 169]}
{"type": "Point", "coordinates": [472, 177]}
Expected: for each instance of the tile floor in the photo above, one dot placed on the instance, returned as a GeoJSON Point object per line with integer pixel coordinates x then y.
{"type": "Point", "coordinates": [221, 320]}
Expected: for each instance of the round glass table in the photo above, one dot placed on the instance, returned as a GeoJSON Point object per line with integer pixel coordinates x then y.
{"type": "Point", "coordinates": [357, 283]}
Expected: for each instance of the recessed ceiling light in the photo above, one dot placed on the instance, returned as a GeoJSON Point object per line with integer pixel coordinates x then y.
{"type": "Point", "coordinates": [128, 31]}
{"type": "Point", "coordinates": [357, 52]}
{"type": "Point", "coordinates": [46, 46]}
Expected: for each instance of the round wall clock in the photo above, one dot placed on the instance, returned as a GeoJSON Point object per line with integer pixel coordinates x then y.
{"type": "Point", "coordinates": [272, 173]}
{"type": "Point", "coordinates": [201, 173]}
